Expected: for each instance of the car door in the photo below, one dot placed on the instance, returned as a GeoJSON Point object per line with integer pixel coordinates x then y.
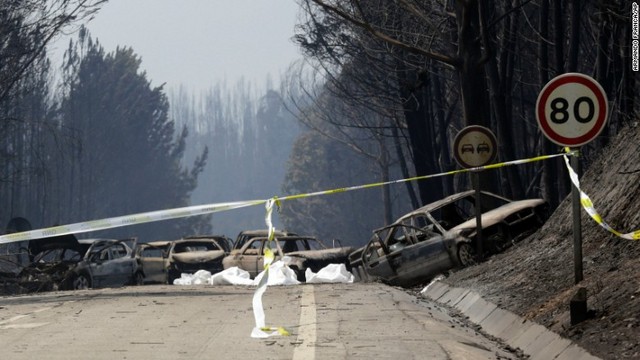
{"type": "Point", "coordinates": [153, 264]}
{"type": "Point", "coordinates": [112, 266]}
{"type": "Point", "coordinates": [376, 260]}
{"type": "Point", "coordinates": [98, 256]}
{"type": "Point", "coordinates": [251, 258]}
{"type": "Point", "coordinates": [118, 270]}
{"type": "Point", "coordinates": [276, 248]}
{"type": "Point", "coordinates": [424, 258]}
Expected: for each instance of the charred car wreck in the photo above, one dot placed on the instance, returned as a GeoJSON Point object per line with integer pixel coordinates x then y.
{"type": "Point", "coordinates": [191, 254]}
{"type": "Point", "coordinates": [304, 253]}
{"type": "Point", "coordinates": [66, 263]}
{"type": "Point", "coordinates": [404, 255]}
{"type": "Point", "coordinates": [443, 235]}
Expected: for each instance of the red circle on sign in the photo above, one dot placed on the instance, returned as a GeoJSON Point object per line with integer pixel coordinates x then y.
{"type": "Point", "coordinates": [597, 91]}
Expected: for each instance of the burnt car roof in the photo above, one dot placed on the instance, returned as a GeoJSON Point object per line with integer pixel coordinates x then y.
{"type": "Point", "coordinates": [216, 237]}
{"type": "Point", "coordinates": [196, 240]}
{"type": "Point", "coordinates": [91, 241]}
{"type": "Point", "coordinates": [288, 238]}
{"type": "Point", "coordinates": [451, 198]}
{"type": "Point", "coordinates": [62, 241]}
{"type": "Point", "coordinates": [159, 243]}
{"type": "Point", "coordinates": [264, 232]}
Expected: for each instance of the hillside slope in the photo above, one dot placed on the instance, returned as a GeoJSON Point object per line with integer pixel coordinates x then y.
{"type": "Point", "coordinates": [535, 278]}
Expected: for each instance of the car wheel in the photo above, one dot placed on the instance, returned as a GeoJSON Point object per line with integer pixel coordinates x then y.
{"type": "Point", "coordinates": [466, 255]}
{"type": "Point", "coordinates": [172, 276]}
{"type": "Point", "coordinates": [300, 275]}
{"type": "Point", "coordinates": [81, 282]}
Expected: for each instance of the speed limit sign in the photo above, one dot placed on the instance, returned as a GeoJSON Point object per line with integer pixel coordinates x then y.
{"type": "Point", "coordinates": [572, 109]}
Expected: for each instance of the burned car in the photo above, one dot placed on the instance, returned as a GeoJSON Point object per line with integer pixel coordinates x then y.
{"type": "Point", "coordinates": [304, 251]}
{"type": "Point", "coordinates": [247, 235]}
{"type": "Point", "coordinates": [50, 263]}
{"type": "Point", "coordinates": [65, 263]}
{"type": "Point", "coordinates": [443, 235]}
{"type": "Point", "coordinates": [405, 255]}
{"type": "Point", "coordinates": [191, 254]}
{"type": "Point", "coordinates": [503, 221]}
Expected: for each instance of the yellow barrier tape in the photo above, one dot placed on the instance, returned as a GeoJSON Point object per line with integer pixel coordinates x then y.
{"type": "Point", "coordinates": [587, 204]}
{"type": "Point", "coordinates": [260, 330]}
{"type": "Point", "coordinates": [160, 215]}
{"type": "Point", "coordinates": [126, 220]}
{"type": "Point", "coordinates": [424, 177]}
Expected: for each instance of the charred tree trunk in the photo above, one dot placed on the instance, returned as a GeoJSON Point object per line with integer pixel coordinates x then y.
{"type": "Point", "coordinates": [444, 159]}
{"type": "Point", "coordinates": [472, 77]}
{"type": "Point", "coordinates": [473, 85]}
{"type": "Point", "coordinates": [574, 43]}
{"type": "Point", "coordinates": [558, 179]}
{"type": "Point", "coordinates": [421, 139]}
{"type": "Point", "coordinates": [550, 168]}
{"type": "Point", "coordinates": [500, 82]}
{"type": "Point", "coordinates": [386, 192]}
{"type": "Point", "coordinates": [404, 169]}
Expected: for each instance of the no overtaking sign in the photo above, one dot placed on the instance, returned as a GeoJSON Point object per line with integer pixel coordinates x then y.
{"type": "Point", "coordinates": [572, 109]}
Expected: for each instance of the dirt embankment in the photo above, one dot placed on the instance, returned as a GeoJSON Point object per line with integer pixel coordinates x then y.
{"type": "Point", "coordinates": [536, 278]}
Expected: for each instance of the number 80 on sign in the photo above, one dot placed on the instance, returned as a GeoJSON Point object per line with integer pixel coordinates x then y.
{"type": "Point", "coordinates": [572, 109]}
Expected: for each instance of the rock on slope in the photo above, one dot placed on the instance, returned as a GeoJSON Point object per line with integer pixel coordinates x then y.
{"type": "Point", "coordinates": [535, 278]}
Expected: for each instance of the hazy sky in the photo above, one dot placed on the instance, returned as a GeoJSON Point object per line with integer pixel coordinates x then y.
{"type": "Point", "coordinates": [200, 42]}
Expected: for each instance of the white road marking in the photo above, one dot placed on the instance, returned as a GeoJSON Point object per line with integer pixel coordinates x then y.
{"type": "Point", "coordinates": [17, 317]}
{"type": "Point", "coordinates": [22, 326]}
{"type": "Point", "coordinates": [307, 330]}
{"type": "Point", "coordinates": [4, 326]}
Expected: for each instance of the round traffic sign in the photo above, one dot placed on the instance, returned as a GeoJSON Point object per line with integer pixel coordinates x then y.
{"type": "Point", "coordinates": [572, 109]}
{"type": "Point", "coordinates": [474, 146]}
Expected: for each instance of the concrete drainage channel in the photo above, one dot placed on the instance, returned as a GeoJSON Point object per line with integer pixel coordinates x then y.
{"type": "Point", "coordinates": [533, 339]}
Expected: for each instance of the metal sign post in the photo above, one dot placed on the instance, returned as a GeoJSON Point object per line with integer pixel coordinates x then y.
{"type": "Point", "coordinates": [577, 223]}
{"type": "Point", "coordinates": [572, 110]}
{"type": "Point", "coordinates": [475, 177]}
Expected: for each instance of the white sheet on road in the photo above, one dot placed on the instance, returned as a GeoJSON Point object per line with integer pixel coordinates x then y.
{"type": "Point", "coordinates": [332, 273]}
{"type": "Point", "coordinates": [279, 274]}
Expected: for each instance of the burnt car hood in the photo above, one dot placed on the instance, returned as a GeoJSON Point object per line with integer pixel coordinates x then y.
{"type": "Point", "coordinates": [197, 257]}
{"type": "Point", "coordinates": [499, 214]}
{"type": "Point", "coordinates": [68, 241]}
{"type": "Point", "coordinates": [324, 254]}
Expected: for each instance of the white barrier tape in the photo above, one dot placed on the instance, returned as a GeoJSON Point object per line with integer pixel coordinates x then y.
{"type": "Point", "coordinates": [159, 215]}
{"type": "Point", "coordinates": [587, 204]}
{"type": "Point", "coordinates": [424, 177]}
{"type": "Point", "coordinates": [261, 330]}
{"type": "Point", "coordinates": [126, 220]}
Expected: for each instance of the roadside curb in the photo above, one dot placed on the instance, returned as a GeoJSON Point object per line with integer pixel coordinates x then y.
{"type": "Point", "coordinates": [533, 339]}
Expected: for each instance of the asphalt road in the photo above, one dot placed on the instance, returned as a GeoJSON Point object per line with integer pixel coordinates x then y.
{"type": "Point", "coordinates": [326, 321]}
